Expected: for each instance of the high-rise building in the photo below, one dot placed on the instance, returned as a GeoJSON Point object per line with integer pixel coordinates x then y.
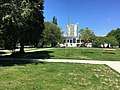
{"type": "Point", "coordinates": [72, 39]}
{"type": "Point", "coordinates": [72, 30]}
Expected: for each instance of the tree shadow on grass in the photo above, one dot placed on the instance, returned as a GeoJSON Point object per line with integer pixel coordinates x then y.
{"type": "Point", "coordinates": [26, 58]}
{"type": "Point", "coordinates": [33, 55]}
{"type": "Point", "coordinates": [10, 62]}
{"type": "Point", "coordinates": [2, 52]}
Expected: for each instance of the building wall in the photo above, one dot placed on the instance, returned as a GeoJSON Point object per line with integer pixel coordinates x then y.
{"type": "Point", "coordinates": [75, 30]}
{"type": "Point", "coordinates": [72, 30]}
{"type": "Point", "coordinates": [72, 39]}
{"type": "Point", "coordinates": [72, 42]}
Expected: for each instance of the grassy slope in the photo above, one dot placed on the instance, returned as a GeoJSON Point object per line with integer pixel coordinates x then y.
{"type": "Point", "coordinates": [58, 76]}
{"type": "Point", "coordinates": [86, 53]}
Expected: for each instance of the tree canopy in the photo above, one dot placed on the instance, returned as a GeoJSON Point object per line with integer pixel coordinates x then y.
{"type": "Point", "coordinates": [87, 35]}
{"type": "Point", "coordinates": [101, 40]}
{"type": "Point", "coordinates": [52, 34]}
{"type": "Point", "coordinates": [116, 34]}
{"type": "Point", "coordinates": [21, 21]}
{"type": "Point", "coordinates": [54, 20]}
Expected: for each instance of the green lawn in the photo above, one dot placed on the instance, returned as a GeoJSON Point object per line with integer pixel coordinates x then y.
{"type": "Point", "coordinates": [84, 53]}
{"type": "Point", "coordinates": [58, 76]}
{"type": "Point", "coordinates": [72, 53]}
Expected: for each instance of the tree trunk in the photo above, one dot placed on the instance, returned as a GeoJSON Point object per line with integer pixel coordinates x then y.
{"type": "Point", "coordinates": [53, 44]}
{"type": "Point", "coordinates": [22, 47]}
{"type": "Point", "coordinates": [42, 45]}
{"type": "Point", "coordinates": [119, 44]}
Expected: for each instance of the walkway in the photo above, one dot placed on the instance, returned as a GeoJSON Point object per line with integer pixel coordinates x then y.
{"type": "Point", "coordinates": [112, 64]}
{"type": "Point", "coordinates": [26, 50]}
{"type": "Point", "coordinates": [115, 65]}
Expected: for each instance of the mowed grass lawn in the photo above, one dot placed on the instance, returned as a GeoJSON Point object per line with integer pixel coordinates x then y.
{"type": "Point", "coordinates": [58, 76]}
{"type": "Point", "coordinates": [85, 54]}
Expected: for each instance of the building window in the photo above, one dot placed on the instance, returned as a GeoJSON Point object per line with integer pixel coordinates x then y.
{"type": "Point", "coordinates": [74, 40]}
{"type": "Point", "coordinates": [70, 41]}
{"type": "Point", "coordinates": [67, 41]}
{"type": "Point", "coordinates": [78, 41]}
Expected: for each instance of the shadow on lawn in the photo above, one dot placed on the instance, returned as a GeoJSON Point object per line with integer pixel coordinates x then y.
{"type": "Point", "coordinates": [10, 62]}
{"type": "Point", "coordinates": [27, 58]}
{"type": "Point", "coordinates": [2, 52]}
{"type": "Point", "coordinates": [33, 55]}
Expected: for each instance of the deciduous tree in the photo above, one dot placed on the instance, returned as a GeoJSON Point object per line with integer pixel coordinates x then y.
{"type": "Point", "coordinates": [87, 35]}
{"type": "Point", "coordinates": [116, 34]}
{"type": "Point", "coordinates": [52, 34]}
{"type": "Point", "coordinates": [21, 21]}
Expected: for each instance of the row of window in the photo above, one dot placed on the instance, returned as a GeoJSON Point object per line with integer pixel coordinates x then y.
{"type": "Point", "coordinates": [72, 41]}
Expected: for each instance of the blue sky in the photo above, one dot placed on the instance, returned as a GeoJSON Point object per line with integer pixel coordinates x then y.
{"type": "Point", "coordinates": [101, 16]}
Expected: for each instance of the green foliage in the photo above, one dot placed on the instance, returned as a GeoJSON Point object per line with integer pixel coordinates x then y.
{"type": "Point", "coordinates": [111, 33]}
{"type": "Point", "coordinates": [51, 34]}
{"type": "Point", "coordinates": [112, 40]}
{"type": "Point", "coordinates": [8, 24]}
{"type": "Point", "coordinates": [102, 40]}
{"type": "Point", "coordinates": [116, 34]}
{"type": "Point", "coordinates": [98, 41]}
{"type": "Point", "coordinates": [54, 20]}
{"type": "Point", "coordinates": [87, 35]}
{"type": "Point", "coordinates": [21, 21]}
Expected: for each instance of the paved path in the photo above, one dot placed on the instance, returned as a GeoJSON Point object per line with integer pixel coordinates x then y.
{"type": "Point", "coordinates": [112, 64]}
{"type": "Point", "coordinates": [39, 49]}
{"type": "Point", "coordinates": [26, 50]}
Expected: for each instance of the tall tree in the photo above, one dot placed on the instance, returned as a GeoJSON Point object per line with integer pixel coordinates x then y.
{"type": "Point", "coordinates": [99, 40]}
{"type": "Point", "coordinates": [21, 21]}
{"type": "Point", "coordinates": [87, 35]}
{"type": "Point", "coordinates": [8, 23]}
{"type": "Point", "coordinates": [54, 20]}
{"type": "Point", "coordinates": [116, 34]}
{"type": "Point", "coordinates": [51, 34]}
{"type": "Point", "coordinates": [110, 40]}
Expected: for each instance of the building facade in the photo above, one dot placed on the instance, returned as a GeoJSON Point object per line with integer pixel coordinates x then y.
{"type": "Point", "coordinates": [72, 39]}
{"type": "Point", "coordinates": [72, 30]}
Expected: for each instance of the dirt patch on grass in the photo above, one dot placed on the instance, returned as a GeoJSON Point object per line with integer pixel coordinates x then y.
{"type": "Point", "coordinates": [84, 57]}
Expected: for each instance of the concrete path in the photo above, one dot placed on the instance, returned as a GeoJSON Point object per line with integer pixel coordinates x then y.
{"type": "Point", "coordinates": [26, 50]}
{"type": "Point", "coordinates": [39, 49]}
{"type": "Point", "coordinates": [112, 64]}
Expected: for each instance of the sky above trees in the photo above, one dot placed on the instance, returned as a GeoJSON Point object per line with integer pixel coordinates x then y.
{"type": "Point", "coordinates": [99, 15]}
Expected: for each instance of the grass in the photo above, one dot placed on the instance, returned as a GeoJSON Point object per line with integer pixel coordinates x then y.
{"type": "Point", "coordinates": [70, 53]}
{"type": "Point", "coordinates": [85, 54]}
{"type": "Point", "coordinates": [26, 75]}
{"type": "Point", "coordinates": [26, 49]}
{"type": "Point", "coordinates": [58, 76]}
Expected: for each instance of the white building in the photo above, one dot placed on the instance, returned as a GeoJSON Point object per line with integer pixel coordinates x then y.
{"type": "Point", "coordinates": [89, 45]}
{"type": "Point", "coordinates": [72, 39]}
{"type": "Point", "coordinates": [72, 30]}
